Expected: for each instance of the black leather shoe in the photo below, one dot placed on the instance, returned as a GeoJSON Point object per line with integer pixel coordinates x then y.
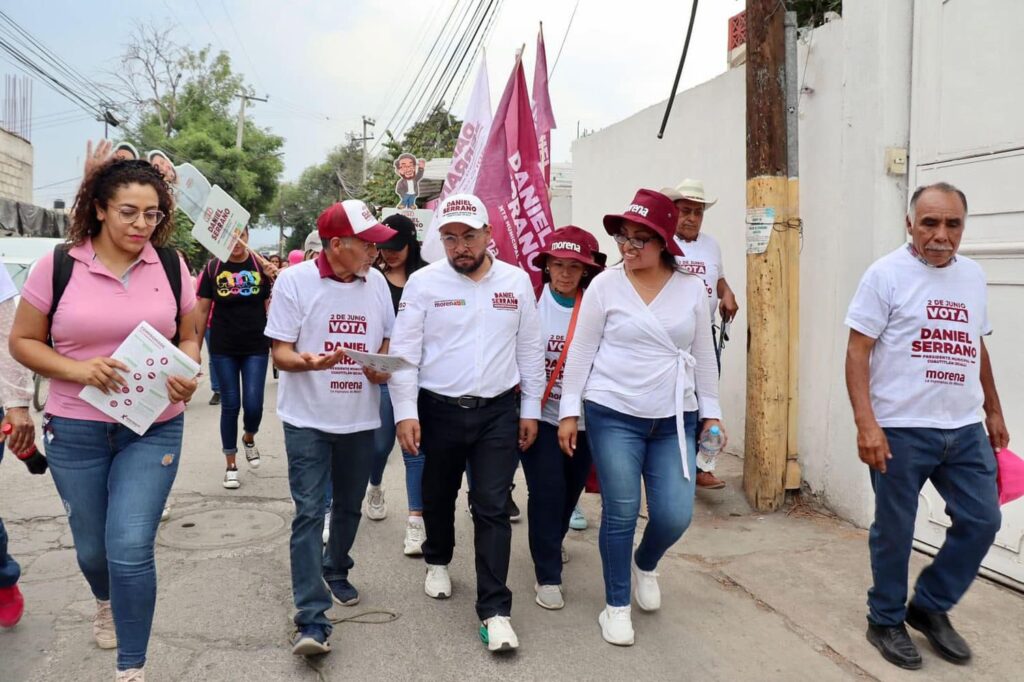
{"type": "Point", "coordinates": [939, 631]}
{"type": "Point", "coordinates": [895, 645]}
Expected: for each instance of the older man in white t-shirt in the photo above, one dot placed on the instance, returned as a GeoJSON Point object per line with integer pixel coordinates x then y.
{"type": "Point", "coordinates": [919, 377]}
{"type": "Point", "coordinates": [330, 406]}
{"type": "Point", "coordinates": [702, 256]}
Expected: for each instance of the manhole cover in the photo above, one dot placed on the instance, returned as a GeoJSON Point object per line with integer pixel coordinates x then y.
{"type": "Point", "coordinates": [220, 528]}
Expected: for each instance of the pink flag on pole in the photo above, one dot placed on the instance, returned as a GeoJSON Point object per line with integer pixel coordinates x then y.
{"type": "Point", "coordinates": [543, 117]}
{"type": "Point", "coordinates": [466, 157]}
{"type": "Point", "coordinates": [511, 184]}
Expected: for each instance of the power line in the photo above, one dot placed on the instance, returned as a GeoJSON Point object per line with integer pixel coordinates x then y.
{"type": "Point", "coordinates": [479, 46]}
{"type": "Point", "coordinates": [241, 44]}
{"type": "Point", "coordinates": [566, 35]}
{"type": "Point", "coordinates": [469, 46]}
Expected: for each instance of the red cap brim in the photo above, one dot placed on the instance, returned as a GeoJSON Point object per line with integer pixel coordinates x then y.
{"type": "Point", "coordinates": [378, 234]}
{"type": "Point", "coordinates": [613, 225]}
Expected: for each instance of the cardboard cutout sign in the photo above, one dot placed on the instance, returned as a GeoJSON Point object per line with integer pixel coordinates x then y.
{"type": "Point", "coordinates": [221, 224]}
{"type": "Point", "coordinates": [192, 191]}
{"type": "Point", "coordinates": [410, 172]}
{"type": "Point", "coordinates": [420, 217]}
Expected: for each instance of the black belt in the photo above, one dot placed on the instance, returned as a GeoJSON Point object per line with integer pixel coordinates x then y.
{"type": "Point", "coordinates": [466, 402]}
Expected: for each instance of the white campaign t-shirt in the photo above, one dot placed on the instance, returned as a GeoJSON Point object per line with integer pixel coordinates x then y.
{"type": "Point", "coordinates": [928, 323]}
{"type": "Point", "coordinates": [703, 257]}
{"type": "Point", "coordinates": [320, 315]}
{"type": "Point", "coordinates": [554, 326]}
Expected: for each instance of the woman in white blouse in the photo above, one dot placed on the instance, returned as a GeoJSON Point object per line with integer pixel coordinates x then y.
{"type": "Point", "coordinates": [642, 366]}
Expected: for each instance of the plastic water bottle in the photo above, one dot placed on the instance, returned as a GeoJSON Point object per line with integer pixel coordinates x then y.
{"type": "Point", "coordinates": [708, 448]}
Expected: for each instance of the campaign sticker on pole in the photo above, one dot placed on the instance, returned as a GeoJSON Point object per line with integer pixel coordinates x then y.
{"type": "Point", "coordinates": [760, 222]}
{"type": "Point", "coordinates": [511, 184]}
{"type": "Point", "coordinates": [466, 157]}
{"type": "Point", "coordinates": [221, 223]}
{"type": "Point", "coordinates": [543, 117]}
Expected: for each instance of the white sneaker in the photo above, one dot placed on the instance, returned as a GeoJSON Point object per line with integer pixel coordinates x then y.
{"type": "Point", "coordinates": [165, 514]}
{"type": "Point", "coordinates": [549, 596]}
{"type": "Point", "coordinates": [130, 675]}
{"type": "Point", "coordinates": [103, 626]}
{"type": "Point", "coordinates": [500, 635]}
{"type": "Point", "coordinates": [376, 507]}
{"type": "Point", "coordinates": [415, 536]}
{"type": "Point", "coordinates": [616, 625]}
{"type": "Point", "coordinates": [231, 481]}
{"type": "Point", "coordinates": [646, 590]}
{"type": "Point", "coordinates": [327, 527]}
{"type": "Point", "coordinates": [438, 584]}
{"type": "Point", "coordinates": [252, 454]}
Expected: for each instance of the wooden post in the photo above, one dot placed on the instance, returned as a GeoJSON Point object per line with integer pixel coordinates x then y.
{"type": "Point", "coordinates": [768, 283]}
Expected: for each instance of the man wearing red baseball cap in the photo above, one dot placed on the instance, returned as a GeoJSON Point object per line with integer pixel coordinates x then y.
{"type": "Point", "coordinates": [330, 406]}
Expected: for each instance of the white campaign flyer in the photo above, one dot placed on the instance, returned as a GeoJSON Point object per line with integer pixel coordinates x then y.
{"type": "Point", "coordinates": [151, 358]}
{"type": "Point", "coordinates": [220, 224]}
{"type": "Point", "coordinates": [389, 364]}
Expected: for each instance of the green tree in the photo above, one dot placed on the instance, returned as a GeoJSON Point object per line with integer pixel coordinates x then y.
{"type": "Point", "coordinates": [299, 203]}
{"type": "Point", "coordinates": [811, 13]}
{"type": "Point", "coordinates": [179, 100]}
{"type": "Point", "coordinates": [431, 138]}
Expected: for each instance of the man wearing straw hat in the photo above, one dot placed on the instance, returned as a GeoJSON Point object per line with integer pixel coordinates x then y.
{"type": "Point", "coordinates": [702, 256]}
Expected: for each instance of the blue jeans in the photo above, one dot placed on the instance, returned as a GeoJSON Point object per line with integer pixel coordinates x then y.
{"type": "Point", "coordinates": [10, 571]}
{"type": "Point", "coordinates": [214, 383]}
{"type": "Point", "coordinates": [962, 466]}
{"type": "Point", "coordinates": [314, 458]}
{"type": "Point", "coordinates": [383, 442]}
{"type": "Point", "coordinates": [626, 448]}
{"type": "Point", "coordinates": [251, 371]}
{"type": "Point", "coordinates": [114, 484]}
{"type": "Point", "coordinates": [554, 482]}
{"type": "Point", "coordinates": [408, 201]}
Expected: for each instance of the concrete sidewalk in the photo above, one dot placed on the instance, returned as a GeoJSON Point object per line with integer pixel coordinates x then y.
{"type": "Point", "coordinates": [746, 596]}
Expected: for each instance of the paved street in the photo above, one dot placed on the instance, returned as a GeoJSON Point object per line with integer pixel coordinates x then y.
{"type": "Point", "coordinates": [746, 596]}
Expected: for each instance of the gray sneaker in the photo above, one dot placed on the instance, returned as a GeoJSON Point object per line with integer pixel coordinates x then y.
{"type": "Point", "coordinates": [549, 596]}
{"type": "Point", "coordinates": [252, 454]}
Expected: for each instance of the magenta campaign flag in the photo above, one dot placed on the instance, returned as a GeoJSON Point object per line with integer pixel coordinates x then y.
{"type": "Point", "coordinates": [543, 118]}
{"type": "Point", "coordinates": [511, 184]}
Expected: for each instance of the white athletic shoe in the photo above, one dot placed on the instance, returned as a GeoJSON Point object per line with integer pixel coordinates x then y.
{"type": "Point", "coordinates": [549, 596]}
{"type": "Point", "coordinates": [231, 481]}
{"type": "Point", "coordinates": [376, 507]}
{"type": "Point", "coordinates": [130, 675]}
{"type": "Point", "coordinates": [415, 536]}
{"type": "Point", "coordinates": [103, 626]}
{"type": "Point", "coordinates": [500, 635]}
{"type": "Point", "coordinates": [438, 584]}
{"type": "Point", "coordinates": [646, 590]}
{"type": "Point", "coordinates": [327, 527]}
{"type": "Point", "coordinates": [616, 625]}
{"type": "Point", "coordinates": [252, 454]}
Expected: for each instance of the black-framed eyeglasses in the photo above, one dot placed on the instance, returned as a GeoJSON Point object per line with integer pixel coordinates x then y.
{"type": "Point", "coordinates": [632, 241]}
{"type": "Point", "coordinates": [470, 239]}
{"type": "Point", "coordinates": [129, 214]}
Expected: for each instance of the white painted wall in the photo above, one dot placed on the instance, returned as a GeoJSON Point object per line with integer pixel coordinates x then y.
{"type": "Point", "coordinates": [859, 72]}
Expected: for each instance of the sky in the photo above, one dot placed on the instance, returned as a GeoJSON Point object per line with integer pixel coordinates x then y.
{"type": "Point", "coordinates": [326, 64]}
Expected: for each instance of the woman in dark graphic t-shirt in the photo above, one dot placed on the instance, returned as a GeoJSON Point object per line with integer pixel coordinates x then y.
{"type": "Point", "coordinates": [239, 351]}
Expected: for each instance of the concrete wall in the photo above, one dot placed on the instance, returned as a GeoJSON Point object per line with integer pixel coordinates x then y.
{"type": "Point", "coordinates": [15, 167]}
{"type": "Point", "coordinates": [857, 78]}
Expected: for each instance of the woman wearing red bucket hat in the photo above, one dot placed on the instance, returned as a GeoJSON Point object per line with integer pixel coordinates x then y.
{"type": "Point", "coordinates": [555, 481]}
{"type": "Point", "coordinates": [642, 367]}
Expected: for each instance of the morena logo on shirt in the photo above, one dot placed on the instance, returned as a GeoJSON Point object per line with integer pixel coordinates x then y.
{"type": "Point", "coordinates": [947, 311]}
{"type": "Point", "coordinates": [505, 300]}
{"type": "Point", "coordinates": [446, 303]}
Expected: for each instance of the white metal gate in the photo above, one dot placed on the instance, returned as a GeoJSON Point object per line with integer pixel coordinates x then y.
{"type": "Point", "coordinates": [966, 129]}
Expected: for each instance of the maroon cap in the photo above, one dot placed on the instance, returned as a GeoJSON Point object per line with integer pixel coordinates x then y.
{"type": "Point", "coordinates": [650, 209]}
{"type": "Point", "coordinates": [352, 218]}
{"type": "Point", "coordinates": [570, 242]}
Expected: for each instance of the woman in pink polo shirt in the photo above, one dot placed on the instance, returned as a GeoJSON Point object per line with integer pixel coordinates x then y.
{"type": "Point", "coordinates": [113, 482]}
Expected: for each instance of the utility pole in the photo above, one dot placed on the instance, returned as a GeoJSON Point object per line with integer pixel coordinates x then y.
{"type": "Point", "coordinates": [772, 256]}
{"type": "Point", "coordinates": [241, 115]}
{"type": "Point", "coordinates": [366, 122]}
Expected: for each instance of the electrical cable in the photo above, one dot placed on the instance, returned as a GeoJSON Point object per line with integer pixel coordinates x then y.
{"type": "Point", "coordinates": [679, 71]}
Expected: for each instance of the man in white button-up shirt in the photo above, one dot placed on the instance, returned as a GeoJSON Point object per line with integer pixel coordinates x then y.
{"type": "Point", "coordinates": [470, 324]}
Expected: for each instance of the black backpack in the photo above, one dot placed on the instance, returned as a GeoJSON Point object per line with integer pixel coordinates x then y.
{"type": "Point", "coordinates": [64, 264]}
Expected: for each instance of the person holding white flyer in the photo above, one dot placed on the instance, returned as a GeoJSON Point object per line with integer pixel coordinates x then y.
{"type": "Point", "coordinates": [329, 404]}
{"type": "Point", "coordinates": [79, 304]}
